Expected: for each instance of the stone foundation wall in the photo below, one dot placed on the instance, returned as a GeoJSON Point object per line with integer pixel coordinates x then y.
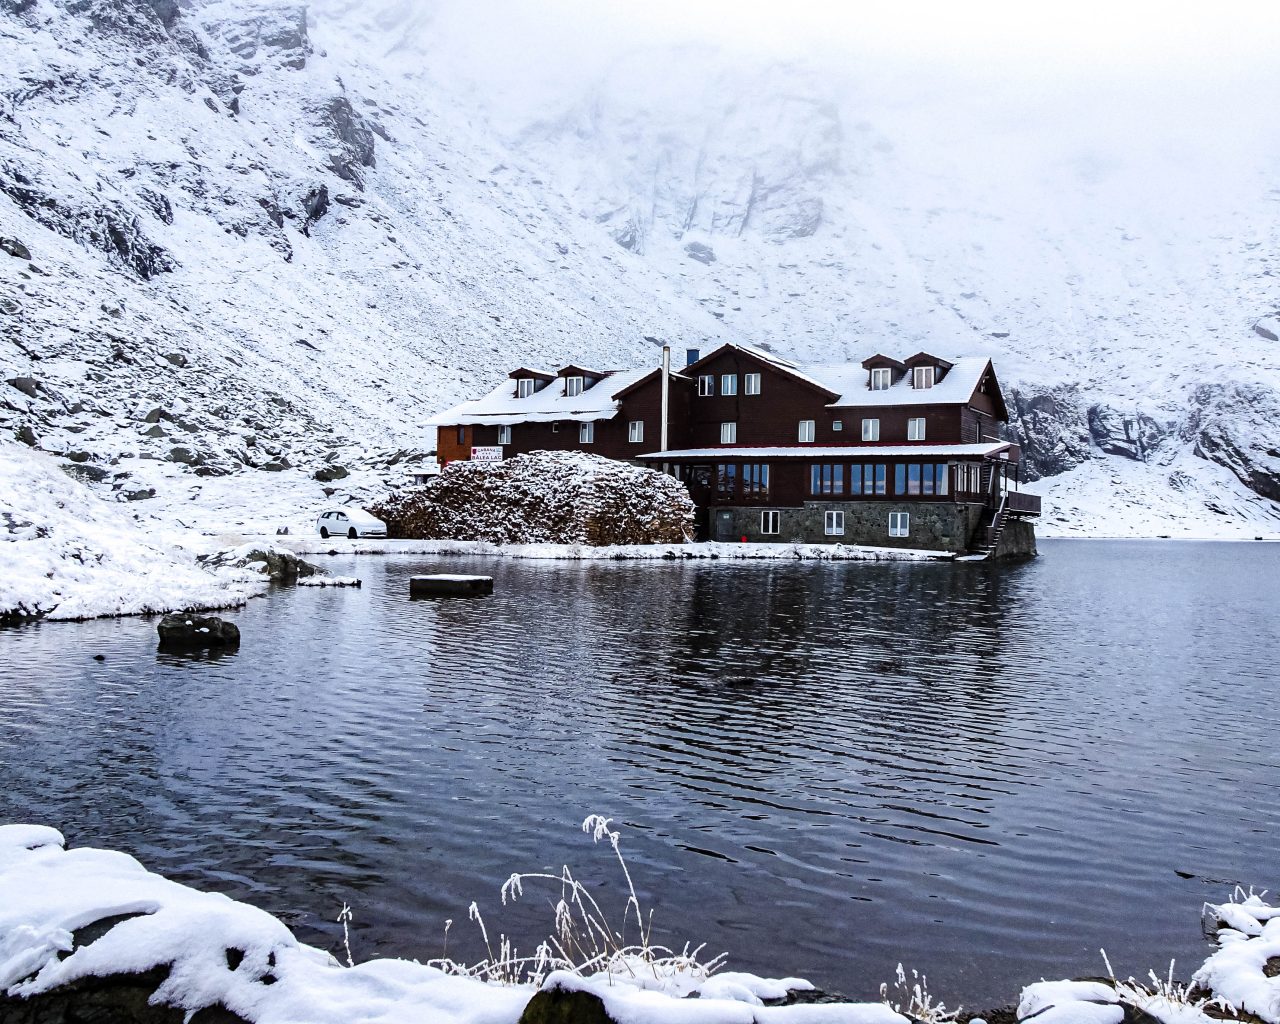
{"type": "Point", "coordinates": [934, 525]}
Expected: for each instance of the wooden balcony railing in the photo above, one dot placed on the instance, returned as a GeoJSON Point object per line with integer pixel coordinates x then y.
{"type": "Point", "coordinates": [1022, 504]}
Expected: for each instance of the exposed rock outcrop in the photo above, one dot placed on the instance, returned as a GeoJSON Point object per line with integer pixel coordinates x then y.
{"type": "Point", "coordinates": [1238, 426]}
{"type": "Point", "coordinates": [1051, 426]}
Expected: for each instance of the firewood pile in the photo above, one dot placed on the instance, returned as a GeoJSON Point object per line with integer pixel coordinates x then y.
{"type": "Point", "coordinates": [544, 498]}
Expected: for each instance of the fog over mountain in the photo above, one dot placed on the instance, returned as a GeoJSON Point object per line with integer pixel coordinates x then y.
{"type": "Point", "coordinates": [253, 234]}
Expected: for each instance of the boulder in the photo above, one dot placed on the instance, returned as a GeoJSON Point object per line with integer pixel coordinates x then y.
{"type": "Point", "coordinates": [328, 474]}
{"type": "Point", "coordinates": [185, 456]}
{"type": "Point", "coordinates": [562, 1006]}
{"type": "Point", "coordinates": [15, 248]}
{"type": "Point", "coordinates": [184, 630]}
{"type": "Point", "coordinates": [278, 564]}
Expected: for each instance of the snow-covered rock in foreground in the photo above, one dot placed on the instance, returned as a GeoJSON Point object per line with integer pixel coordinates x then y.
{"type": "Point", "coordinates": [67, 554]}
{"type": "Point", "coordinates": [1245, 971]}
{"type": "Point", "coordinates": [223, 953]}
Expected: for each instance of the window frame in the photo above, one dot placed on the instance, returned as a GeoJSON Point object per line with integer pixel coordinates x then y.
{"type": "Point", "coordinates": [770, 517]}
{"type": "Point", "coordinates": [871, 429]}
{"type": "Point", "coordinates": [833, 523]}
{"type": "Point", "coordinates": [635, 432]}
{"type": "Point", "coordinates": [916, 428]}
{"type": "Point", "coordinates": [751, 383]}
{"type": "Point", "coordinates": [729, 432]}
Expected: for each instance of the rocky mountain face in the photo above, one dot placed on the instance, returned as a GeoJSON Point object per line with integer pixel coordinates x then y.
{"type": "Point", "coordinates": [241, 236]}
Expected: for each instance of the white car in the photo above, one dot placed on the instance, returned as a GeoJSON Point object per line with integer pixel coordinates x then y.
{"type": "Point", "coordinates": [350, 522]}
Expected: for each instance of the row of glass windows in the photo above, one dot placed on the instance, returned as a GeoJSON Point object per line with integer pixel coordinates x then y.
{"type": "Point", "coordinates": [808, 429]}
{"type": "Point", "coordinates": [833, 523]}
{"type": "Point", "coordinates": [586, 433]}
{"type": "Point", "coordinates": [871, 478]}
{"type": "Point", "coordinates": [728, 384]}
{"type": "Point", "coordinates": [754, 477]}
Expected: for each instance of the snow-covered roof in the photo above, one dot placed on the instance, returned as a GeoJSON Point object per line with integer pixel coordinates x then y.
{"type": "Point", "coordinates": [502, 407]}
{"type": "Point", "coordinates": [866, 451]}
{"type": "Point", "coordinates": [851, 382]}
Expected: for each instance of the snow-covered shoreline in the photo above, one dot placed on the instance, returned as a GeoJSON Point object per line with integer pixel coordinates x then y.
{"type": "Point", "coordinates": [708, 550]}
{"type": "Point", "coordinates": [220, 952]}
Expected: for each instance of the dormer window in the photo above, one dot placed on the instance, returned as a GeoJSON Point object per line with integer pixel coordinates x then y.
{"type": "Point", "coordinates": [524, 387]}
{"type": "Point", "coordinates": [922, 376]}
{"type": "Point", "coordinates": [881, 378]}
{"type": "Point", "coordinates": [572, 386]}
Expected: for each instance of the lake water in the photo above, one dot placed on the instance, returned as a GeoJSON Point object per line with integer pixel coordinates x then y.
{"type": "Point", "coordinates": [823, 769]}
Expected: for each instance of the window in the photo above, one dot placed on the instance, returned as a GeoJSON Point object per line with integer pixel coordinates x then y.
{"type": "Point", "coordinates": [635, 431]}
{"type": "Point", "coordinates": [881, 379]}
{"type": "Point", "coordinates": [922, 377]}
{"type": "Point", "coordinates": [706, 385]}
{"type": "Point", "coordinates": [755, 479]}
{"type": "Point", "coordinates": [899, 524]}
{"type": "Point", "coordinates": [769, 521]}
{"type": "Point", "coordinates": [826, 478]}
{"type": "Point", "coordinates": [915, 429]}
{"type": "Point", "coordinates": [586, 433]}
{"type": "Point", "coordinates": [573, 386]}
{"type": "Point", "coordinates": [874, 479]}
{"type": "Point", "coordinates": [504, 435]}
{"type": "Point", "coordinates": [726, 480]}
{"type": "Point", "coordinates": [751, 383]}
{"type": "Point", "coordinates": [942, 474]}
{"type": "Point", "coordinates": [728, 433]}
{"type": "Point", "coordinates": [899, 479]}
{"type": "Point", "coordinates": [871, 430]}
{"type": "Point", "coordinates": [855, 479]}
{"type": "Point", "coordinates": [524, 387]}
{"type": "Point", "coordinates": [728, 383]}
{"type": "Point", "coordinates": [833, 524]}
{"type": "Point", "coordinates": [462, 435]}
{"type": "Point", "coordinates": [837, 425]}
{"type": "Point", "coordinates": [913, 479]}
{"type": "Point", "coordinates": [806, 430]}
{"type": "Point", "coordinates": [555, 427]}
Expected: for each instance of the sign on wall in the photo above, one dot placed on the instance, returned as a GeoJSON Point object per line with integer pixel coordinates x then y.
{"type": "Point", "coordinates": [487, 453]}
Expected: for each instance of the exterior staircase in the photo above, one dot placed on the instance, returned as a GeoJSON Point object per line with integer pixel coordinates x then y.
{"type": "Point", "coordinates": [991, 535]}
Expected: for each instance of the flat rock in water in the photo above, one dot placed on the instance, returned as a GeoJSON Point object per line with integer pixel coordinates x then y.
{"type": "Point", "coordinates": [450, 585]}
{"type": "Point", "coordinates": [182, 630]}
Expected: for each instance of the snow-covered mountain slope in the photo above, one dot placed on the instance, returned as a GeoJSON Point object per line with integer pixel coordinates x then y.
{"type": "Point", "coordinates": [242, 239]}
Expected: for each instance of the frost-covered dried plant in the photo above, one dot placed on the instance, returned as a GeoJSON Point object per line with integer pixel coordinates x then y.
{"type": "Point", "coordinates": [344, 918]}
{"type": "Point", "coordinates": [583, 940]}
{"type": "Point", "coordinates": [1163, 997]}
{"type": "Point", "coordinates": [912, 999]}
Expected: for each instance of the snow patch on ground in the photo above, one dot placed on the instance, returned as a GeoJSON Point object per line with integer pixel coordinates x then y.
{"type": "Point", "coordinates": [1248, 938]}
{"type": "Point", "coordinates": [227, 953]}
{"type": "Point", "coordinates": [67, 554]}
{"type": "Point", "coordinates": [1185, 497]}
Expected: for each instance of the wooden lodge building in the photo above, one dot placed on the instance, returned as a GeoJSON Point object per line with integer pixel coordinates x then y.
{"type": "Point", "coordinates": [888, 452]}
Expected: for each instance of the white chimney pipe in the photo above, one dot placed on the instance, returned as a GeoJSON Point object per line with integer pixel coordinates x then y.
{"type": "Point", "coordinates": [666, 393]}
